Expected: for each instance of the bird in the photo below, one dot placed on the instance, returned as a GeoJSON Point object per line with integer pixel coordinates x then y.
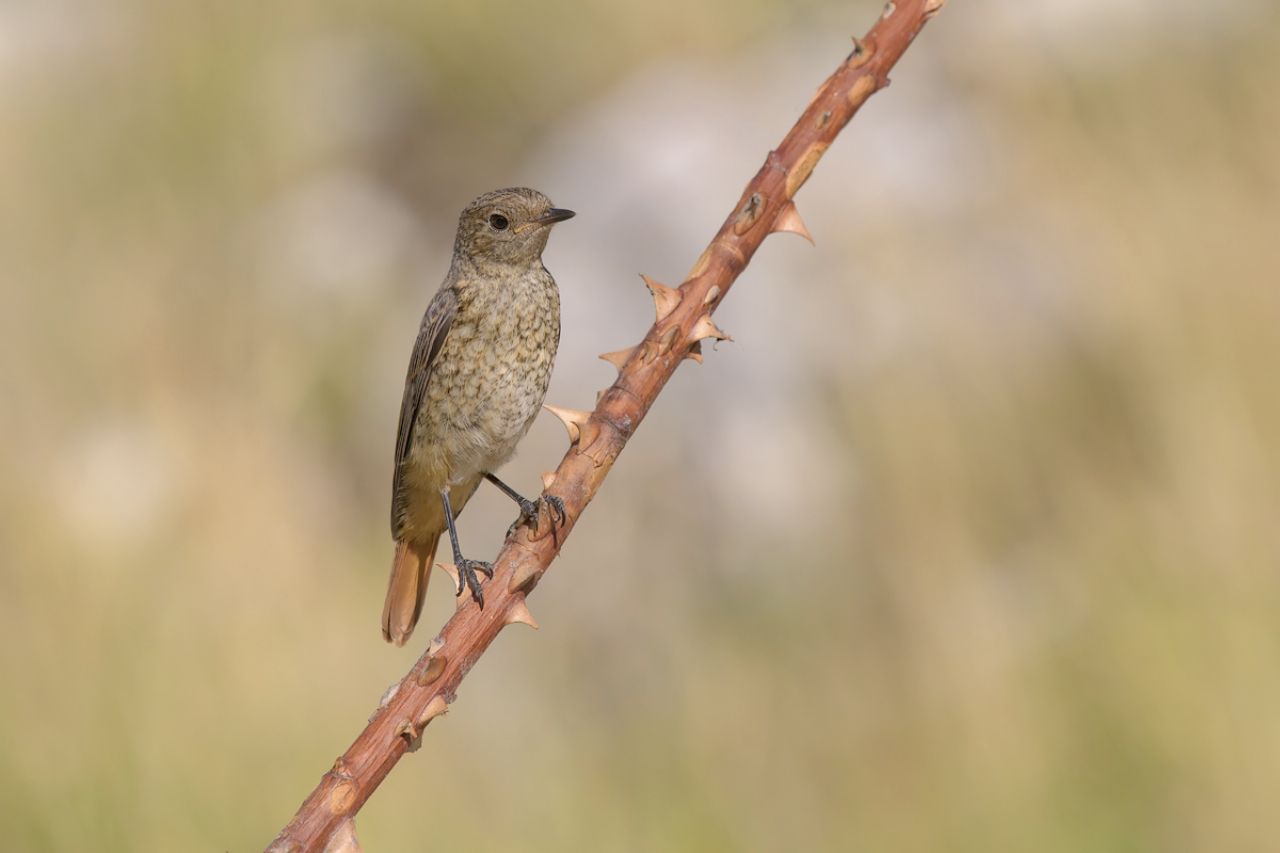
{"type": "Point", "coordinates": [476, 380]}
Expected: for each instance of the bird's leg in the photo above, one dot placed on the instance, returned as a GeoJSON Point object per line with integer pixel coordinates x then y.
{"type": "Point", "coordinates": [529, 509]}
{"type": "Point", "coordinates": [466, 568]}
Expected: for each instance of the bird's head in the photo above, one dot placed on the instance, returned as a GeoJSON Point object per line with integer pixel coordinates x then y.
{"type": "Point", "coordinates": [508, 226]}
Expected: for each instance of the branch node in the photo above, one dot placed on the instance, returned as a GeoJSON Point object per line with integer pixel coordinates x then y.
{"type": "Point", "coordinates": [342, 797]}
{"type": "Point", "coordinates": [804, 166]}
{"type": "Point", "coordinates": [432, 670]}
{"type": "Point", "coordinates": [862, 89]}
{"type": "Point", "coordinates": [750, 213]}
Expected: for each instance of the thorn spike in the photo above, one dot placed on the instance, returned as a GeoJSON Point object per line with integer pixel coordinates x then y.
{"type": "Point", "coordinates": [459, 601]}
{"type": "Point", "coordinates": [573, 419]}
{"type": "Point", "coordinates": [548, 479]}
{"type": "Point", "coordinates": [618, 357]}
{"type": "Point", "coordinates": [789, 220]}
{"type": "Point", "coordinates": [519, 612]}
{"type": "Point", "coordinates": [451, 570]}
{"type": "Point", "coordinates": [704, 328]}
{"type": "Point", "coordinates": [435, 708]}
{"type": "Point", "coordinates": [665, 299]}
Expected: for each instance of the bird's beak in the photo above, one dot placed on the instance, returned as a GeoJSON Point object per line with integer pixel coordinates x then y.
{"type": "Point", "coordinates": [554, 215]}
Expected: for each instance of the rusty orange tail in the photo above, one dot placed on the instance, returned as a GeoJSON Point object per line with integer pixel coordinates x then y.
{"type": "Point", "coordinates": [410, 571]}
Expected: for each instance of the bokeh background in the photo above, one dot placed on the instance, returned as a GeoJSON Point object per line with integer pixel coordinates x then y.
{"type": "Point", "coordinates": [968, 542]}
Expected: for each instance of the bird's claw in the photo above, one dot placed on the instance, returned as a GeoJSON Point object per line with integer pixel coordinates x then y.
{"type": "Point", "coordinates": [529, 511]}
{"type": "Point", "coordinates": [467, 578]}
{"type": "Point", "coordinates": [559, 516]}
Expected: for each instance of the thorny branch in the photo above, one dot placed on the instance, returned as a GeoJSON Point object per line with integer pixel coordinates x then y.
{"type": "Point", "coordinates": [324, 822]}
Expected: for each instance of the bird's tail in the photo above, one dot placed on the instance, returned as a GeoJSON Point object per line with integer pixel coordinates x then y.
{"type": "Point", "coordinates": [410, 571]}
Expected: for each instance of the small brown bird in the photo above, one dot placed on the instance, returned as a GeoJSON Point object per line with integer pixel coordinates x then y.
{"type": "Point", "coordinates": [477, 377]}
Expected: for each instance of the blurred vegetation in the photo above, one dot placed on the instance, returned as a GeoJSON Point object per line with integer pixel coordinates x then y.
{"type": "Point", "coordinates": [968, 543]}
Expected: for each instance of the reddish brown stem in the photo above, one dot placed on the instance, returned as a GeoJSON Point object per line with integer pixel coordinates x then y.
{"type": "Point", "coordinates": [598, 437]}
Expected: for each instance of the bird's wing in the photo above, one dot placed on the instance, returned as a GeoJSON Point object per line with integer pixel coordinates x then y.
{"type": "Point", "coordinates": [431, 337]}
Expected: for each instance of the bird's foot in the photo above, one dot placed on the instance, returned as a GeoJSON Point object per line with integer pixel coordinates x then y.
{"type": "Point", "coordinates": [467, 577]}
{"type": "Point", "coordinates": [530, 510]}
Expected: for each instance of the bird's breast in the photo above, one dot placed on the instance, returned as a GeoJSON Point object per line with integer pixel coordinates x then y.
{"type": "Point", "coordinates": [491, 375]}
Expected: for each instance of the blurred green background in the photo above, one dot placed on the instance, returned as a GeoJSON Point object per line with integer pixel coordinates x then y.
{"type": "Point", "coordinates": [969, 542]}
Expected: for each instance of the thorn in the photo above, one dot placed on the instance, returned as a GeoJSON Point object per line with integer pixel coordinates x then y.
{"type": "Point", "coordinates": [436, 645]}
{"type": "Point", "coordinates": [435, 708]}
{"type": "Point", "coordinates": [519, 612]}
{"type": "Point", "coordinates": [712, 295]}
{"type": "Point", "coordinates": [573, 419]}
{"type": "Point", "coordinates": [665, 299]}
{"type": "Point", "coordinates": [704, 328]}
{"type": "Point", "coordinates": [789, 220]}
{"type": "Point", "coordinates": [452, 571]}
{"type": "Point", "coordinates": [695, 352]}
{"type": "Point", "coordinates": [548, 479]}
{"type": "Point", "coordinates": [618, 357]}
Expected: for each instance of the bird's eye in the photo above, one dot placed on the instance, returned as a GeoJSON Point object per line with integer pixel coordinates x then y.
{"type": "Point", "coordinates": [498, 222]}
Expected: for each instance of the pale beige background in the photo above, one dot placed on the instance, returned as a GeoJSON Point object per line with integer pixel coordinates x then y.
{"type": "Point", "coordinates": [967, 543]}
